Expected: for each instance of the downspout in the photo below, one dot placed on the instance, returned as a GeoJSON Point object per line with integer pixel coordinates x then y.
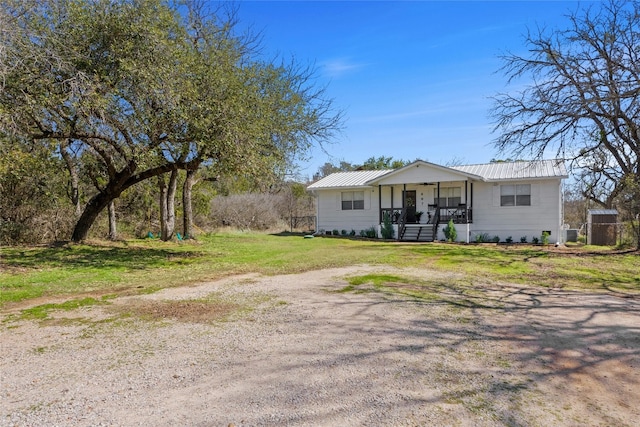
{"type": "Point", "coordinates": [317, 209]}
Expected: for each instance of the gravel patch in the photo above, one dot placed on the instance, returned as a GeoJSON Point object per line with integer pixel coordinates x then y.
{"type": "Point", "coordinates": [293, 350]}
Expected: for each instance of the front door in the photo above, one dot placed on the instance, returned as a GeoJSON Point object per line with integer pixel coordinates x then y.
{"type": "Point", "coordinates": [410, 204]}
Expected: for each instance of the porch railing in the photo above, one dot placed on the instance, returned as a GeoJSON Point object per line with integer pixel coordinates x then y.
{"type": "Point", "coordinates": [402, 224]}
{"type": "Point", "coordinates": [460, 214]}
{"type": "Point", "coordinates": [396, 214]}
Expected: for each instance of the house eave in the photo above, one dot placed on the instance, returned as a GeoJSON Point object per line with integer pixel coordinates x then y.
{"type": "Point", "coordinates": [539, 178]}
{"type": "Point", "coordinates": [419, 163]}
{"type": "Point", "coordinates": [345, 188]}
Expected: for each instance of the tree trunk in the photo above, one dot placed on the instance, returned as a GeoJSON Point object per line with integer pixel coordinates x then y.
{"type": "Point", "coordinates": [168, 205]}
{"type": "Point", "coordinates": [171, 204]}
{"type": "Point", "coordinates": [89, 215]}
{"type": "Point", "coordinates": [113, 234]}
{"type": "Point", "coordinates": [72, 167]}
{"type": "Point", "coordinates": [187, 218]}
{"type": "Point", "coordinates": [163, 207]}
{"type": "Point", "coordinates": [115, 187]}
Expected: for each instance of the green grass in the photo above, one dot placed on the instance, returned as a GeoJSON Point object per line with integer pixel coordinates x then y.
{"type": "Point", "coordinates": [479, 259]}
{"type": "Point", "coordinates": [41, 312]}
{"type": "Point", "coordinates": [143, 266]}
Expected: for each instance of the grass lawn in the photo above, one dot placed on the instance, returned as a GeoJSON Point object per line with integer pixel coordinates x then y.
{"type": "Point", "coordinates": [142, 266]}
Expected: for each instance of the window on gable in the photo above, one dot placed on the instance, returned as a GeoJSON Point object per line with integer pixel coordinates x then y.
{"type": "Point", "coordinates": [515, 195]}
{"type": "Point", "coordinates": [352, 200]}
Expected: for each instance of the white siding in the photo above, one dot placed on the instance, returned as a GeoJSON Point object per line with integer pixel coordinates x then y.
{"type": "Point", "coordinates": [544, 214]}
{"type": "Point", "coordinates": [332, 217]}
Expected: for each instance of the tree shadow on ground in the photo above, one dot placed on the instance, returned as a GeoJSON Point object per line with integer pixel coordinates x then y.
{"type": "Point", "coordinates": [508, 355]}
{"type": "Point", "coordinates": [78, 256]}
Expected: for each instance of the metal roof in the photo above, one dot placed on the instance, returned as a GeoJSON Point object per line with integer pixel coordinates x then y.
{"type": "Point", "coordinates": [347, 179]}
{"type": "Point", "coordinates": [517, 170]}
{"type": "Point", "coordinates": [538, 169]}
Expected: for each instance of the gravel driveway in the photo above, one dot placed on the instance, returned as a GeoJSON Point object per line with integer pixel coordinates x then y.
{"type": "Point", "coordinates": [292, 350]}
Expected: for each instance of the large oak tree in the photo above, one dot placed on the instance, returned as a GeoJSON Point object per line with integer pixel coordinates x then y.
{"type": "Point", "coordinates": [143, 88]}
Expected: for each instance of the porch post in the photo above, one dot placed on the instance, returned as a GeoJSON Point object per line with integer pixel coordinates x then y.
{"type": "Point", "coordinates": [466, 198]}
{"type": "Point", "coordinates": [469, 209]}
{"type": "Point", "coordinates": [379, 204]}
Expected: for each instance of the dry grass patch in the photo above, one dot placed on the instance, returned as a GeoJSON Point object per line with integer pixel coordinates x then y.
{"type": "Point", "coordinates": [189, 311]}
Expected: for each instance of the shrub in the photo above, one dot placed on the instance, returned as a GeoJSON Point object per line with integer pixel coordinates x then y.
{"type": "Point", "coordinates": [369, 232]}
{"type": "Point", "coordinates": [335, 232]}
{"type": "Point", "coordinates": [352, 233]}
{"type": "Point", "coordinates": [482, 238]}
{"type": "Point", "coordinates": [450, 232]}
{"type": "Point", "coordinates": [535, 240]}
{"type": "Point", "coordinates": [343, 232]}
{"type": "Point", "coordinates": [245, 211]}
{"type": "Point", "coordinates": [509, 239]}
{"type": "Point", "coordinates": [545, 238]}
{"type": "Point", "coordinates": [495, 239]}
{"type": "Point", "coordinates": [254, 211]}
{"type": "Point", "coordinates": [523, 239]}
{"type": "Point", "coordinates": [387, 231]}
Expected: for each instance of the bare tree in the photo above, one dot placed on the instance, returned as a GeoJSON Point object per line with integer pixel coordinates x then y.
{"type": "Point", "coordinates": [582, 102]}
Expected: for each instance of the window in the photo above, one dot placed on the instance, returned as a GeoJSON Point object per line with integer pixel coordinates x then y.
{"type": "Point", "coordinates": [352, 200]}
{"type": "Point", "coordinates": [449, 196]}
{"type": "Point", "coordinates": [515, 195]}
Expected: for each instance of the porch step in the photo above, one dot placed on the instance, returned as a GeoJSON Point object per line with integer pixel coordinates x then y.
{"type": "Point", "coordinates": [420, 233]}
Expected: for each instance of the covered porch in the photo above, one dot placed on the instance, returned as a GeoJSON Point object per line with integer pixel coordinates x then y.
{"type": "Point", "coordinates": [418, 210]}
{"type": "Point", "coordinates": [422, 196]}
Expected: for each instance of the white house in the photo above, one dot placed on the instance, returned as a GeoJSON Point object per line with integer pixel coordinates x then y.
{"type": "Point", "coordinates": [514, 199]}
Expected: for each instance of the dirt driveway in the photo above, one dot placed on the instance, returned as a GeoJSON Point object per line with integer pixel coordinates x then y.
{"type": "Point", "coordinates": [293, 350]}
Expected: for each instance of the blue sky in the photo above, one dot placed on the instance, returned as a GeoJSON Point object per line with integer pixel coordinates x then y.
{"type": "Point", "coordinates": [413, 78]}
